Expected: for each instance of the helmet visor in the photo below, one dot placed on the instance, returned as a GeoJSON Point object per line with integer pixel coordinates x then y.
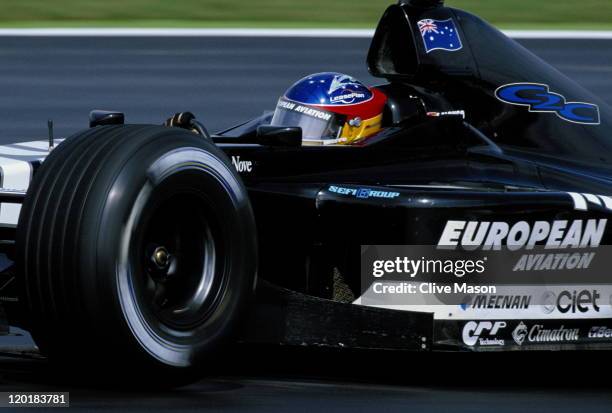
{"type": "Point", "coordinates": [315, 123]}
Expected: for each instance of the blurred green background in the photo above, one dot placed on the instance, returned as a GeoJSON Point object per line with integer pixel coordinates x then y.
{"type": "Point", "coordinates": [544, 14]}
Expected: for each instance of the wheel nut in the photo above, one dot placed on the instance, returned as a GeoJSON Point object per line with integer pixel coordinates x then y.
{"type": "Point", "coordinates": [161, 257]}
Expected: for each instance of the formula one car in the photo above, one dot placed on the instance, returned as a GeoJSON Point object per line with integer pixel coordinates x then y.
{"type": "Point", "coordinates": [152, 246]}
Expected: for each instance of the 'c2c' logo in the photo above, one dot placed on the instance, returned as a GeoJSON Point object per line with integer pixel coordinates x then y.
{"type": "Point", "coordinates": [539, 98]}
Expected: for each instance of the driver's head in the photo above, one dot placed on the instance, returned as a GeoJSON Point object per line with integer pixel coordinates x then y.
{"type": "Point", "coordinates": [331, 108]}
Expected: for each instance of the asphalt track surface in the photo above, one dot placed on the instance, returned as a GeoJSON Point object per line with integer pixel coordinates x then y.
{"type": "Point", "coordinates": [225, 81]}
{"type": "Point", "coordinates": [222, 80]}
{"type": "Point", "coordinates": [294, 381]}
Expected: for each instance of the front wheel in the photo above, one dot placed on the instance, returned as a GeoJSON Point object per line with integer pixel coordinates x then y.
{"type": "Point", "coordinates": [136, 244]}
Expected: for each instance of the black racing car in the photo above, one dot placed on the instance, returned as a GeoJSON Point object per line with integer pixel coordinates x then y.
{"type": "Point", "coordinates": [151, 246]}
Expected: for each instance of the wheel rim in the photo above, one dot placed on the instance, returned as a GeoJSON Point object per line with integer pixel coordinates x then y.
{"type": "Point", "coordinates": [179, 273]}
{"type": "Point", "coordinates": [216, 189]}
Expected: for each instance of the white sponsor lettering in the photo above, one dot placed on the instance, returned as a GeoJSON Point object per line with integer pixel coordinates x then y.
{"type": "Point", "coordinates": [308, 111]}
{"type": "Point", "coordinates": [473, 330]}
{"type": "Point", "coordinates": [313, 112]}
{"type": "Point", "coordinates": [363, 193]}
{"type": "Point", "coordinates": [472, 235]}
{"type": "Point", "coordinates": [505, 302]}
{"type": "Point", "coordinates": [539, 334]}
{"type": "Point", "coordinates": [349, 97]}
{"type": "Point", "coordinates": [544, 262]}
{"type": "Point", "coordinates": [600, 332]}
{"type": "Point", "coordinates": [242, 166]}
{"type": "Point", "coordinates": [286, 105]}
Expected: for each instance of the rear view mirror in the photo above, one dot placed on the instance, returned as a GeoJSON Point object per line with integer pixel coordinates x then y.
{"type": "Point", "coordinates": [279, 136]}
{"type": "Point", "coordinates": [105, 117]}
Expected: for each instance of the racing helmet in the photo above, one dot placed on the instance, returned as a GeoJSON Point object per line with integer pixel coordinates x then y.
{"type": "Point", "coordinates": [331, 108]}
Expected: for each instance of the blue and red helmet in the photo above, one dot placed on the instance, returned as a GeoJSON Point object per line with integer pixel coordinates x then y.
{"type": "Point", "coordinates": [331, 108]}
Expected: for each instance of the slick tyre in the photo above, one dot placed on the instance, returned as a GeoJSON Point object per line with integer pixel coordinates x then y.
{"type": "Point", "coordinates": [136, 252]}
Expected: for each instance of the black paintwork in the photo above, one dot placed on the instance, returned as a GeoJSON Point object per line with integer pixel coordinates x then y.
{"type": "Point", "coordinates": [502, 161]}
{"type": "Point", "coordinates": [468, 79]}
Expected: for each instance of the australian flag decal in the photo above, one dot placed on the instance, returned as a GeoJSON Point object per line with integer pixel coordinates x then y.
{"type": "Point", "coordinates": [440, 35]}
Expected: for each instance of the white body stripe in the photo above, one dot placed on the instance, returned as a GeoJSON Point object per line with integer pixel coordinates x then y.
{"type": "Point", "coordinates": [582, 201]}
{"type": "Point", "coordinates": [16, 174]}
{"type": "Point", "coordinates": [593, 199]}
{"type": "Point", "coordinates": [16, 166]}
{"type": "Point", "coordinates": [607, 201]}
{"type": "Point", "coordinates": [37, 150]}
{"type": "Point", "coordinates": [579, 202]}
